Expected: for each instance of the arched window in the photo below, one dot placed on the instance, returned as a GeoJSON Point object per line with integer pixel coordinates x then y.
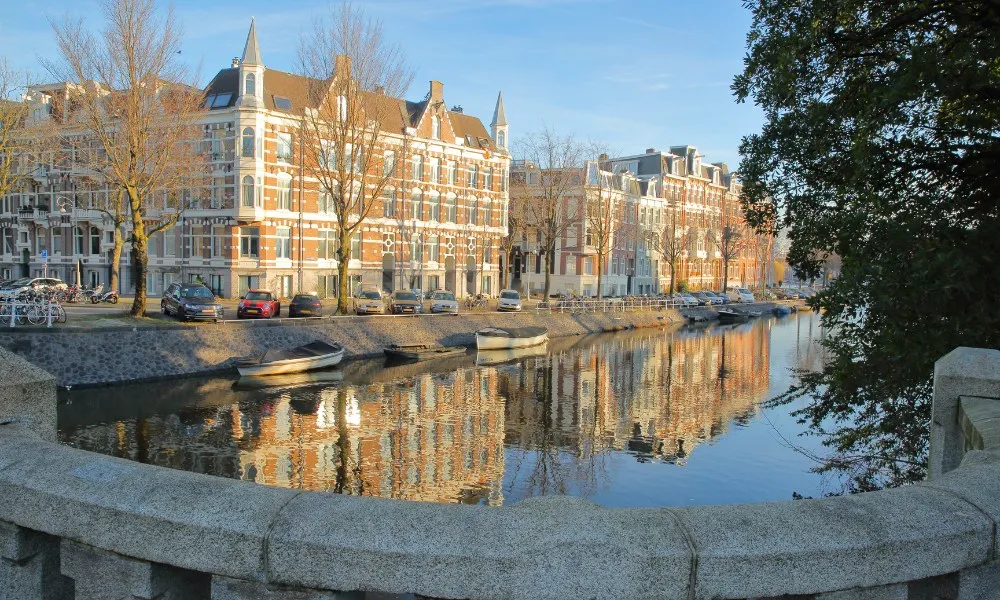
{"type": "Point", "coordinates": [452, 216]}
{"type": "Point", "coordinates": [435, 202]}
{"type": "Point", "coordinates": [251, 86]}
{"type": "Point", "coordinates": [501, 139]}
{"type": "Point", "coordinates": [77, 240]}
{"type": "Point", "coordinates": [248, 142]}
{"type": "Point", "coordinates": [473, 217]}
{"type": "Point", "coordinates": [247, 192]}
{"type": "Point", "coordinates": [417, 205]}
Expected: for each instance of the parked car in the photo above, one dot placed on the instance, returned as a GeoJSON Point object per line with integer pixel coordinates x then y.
{"type": "Point", "coordinates": [305, 305]}
{"type": "Point", "coordinates": [419, 293]}
{"type": "Point", "coordinates": [701, 299]}
{"type": "Point", "coordinates": [722, 296]}
{"type": "Point", "coordinates": [32, 284]}
{"type": "Point", "coordinates": [781, 293]}
{"type": "Point", "coordinates": [510, 300]}
{"type": "Point", "coordinates": [404, 302]}
{"type": "Point", "coordinates": [443, 301]}
{"type": "Point", "coordinates": [369, 301]}
{"type": "Point", "coordinates": [715, 300]}
{"type": "Point", "coordinates": [191, 301]}
{"type": "Point", "coordinates": [742, 295]}
{"type": "Point", "coordinates": [258, 303]}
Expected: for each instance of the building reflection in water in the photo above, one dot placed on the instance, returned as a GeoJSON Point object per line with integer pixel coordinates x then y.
{"type": "Point", "coordinates": [446, 431]}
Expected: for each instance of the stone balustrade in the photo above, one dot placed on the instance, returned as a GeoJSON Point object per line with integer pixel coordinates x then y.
{"type": "Point", "coordinates": [79, 525]}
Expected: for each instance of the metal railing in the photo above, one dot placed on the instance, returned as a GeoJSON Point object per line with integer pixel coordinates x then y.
{"type": "Point", "coordinates": [612, 305]}
{"type": "Point", "coordinates": [19, 310]}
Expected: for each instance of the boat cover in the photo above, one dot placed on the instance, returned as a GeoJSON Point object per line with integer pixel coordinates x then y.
{"type": "Point", "coordinates": [513, 332]}
{"type": "Point", "coordinates": [310, 350]}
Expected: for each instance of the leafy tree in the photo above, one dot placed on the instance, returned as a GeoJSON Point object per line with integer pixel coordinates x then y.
{"type": "Point", "coordinates": [880, 145]}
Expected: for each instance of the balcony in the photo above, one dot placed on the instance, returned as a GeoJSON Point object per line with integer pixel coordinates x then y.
{"type": "Point", "coordinates": [249, 214]}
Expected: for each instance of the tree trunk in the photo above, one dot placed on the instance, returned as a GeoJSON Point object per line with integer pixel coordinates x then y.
{"type": "Point", "coordinates": [344, 255]}
{"type": "Point", "coordinates": [599, 275]}
{"type": "Point", "coordinates": [673, 278]}
{"type": "Point", "coordinates": [549, 261]}
{"type": "Point", "coordinates": [116, 258]}
{"type": "Point", "coordinates": [141, 258]}
{"type": "Point", "coordinates": [725, 275]}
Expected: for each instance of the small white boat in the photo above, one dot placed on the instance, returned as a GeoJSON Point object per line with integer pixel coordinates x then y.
{"type": "Point", "coordinates": [496, 357]}
{"type": "Point", "coordinates": [290, 381]}
{"type": "Point", "coordinates": [313, 356]}
{"type": "Point", "coordinates": [501, 338]}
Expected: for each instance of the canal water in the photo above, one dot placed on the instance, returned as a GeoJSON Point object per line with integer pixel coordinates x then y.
{"type": "Point", "coordinates": [638, 418]}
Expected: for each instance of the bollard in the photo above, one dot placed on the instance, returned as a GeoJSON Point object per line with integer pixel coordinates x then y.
{"type": "Point", "coordinates": [48, 309]}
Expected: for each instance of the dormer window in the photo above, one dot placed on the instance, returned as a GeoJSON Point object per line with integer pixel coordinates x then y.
{"type": "Point", "coordinates": [250, 88]}
{"type": "Point", "coordinates": [501, 139]}
{"type": "Point", "coordinates": [435, 128]}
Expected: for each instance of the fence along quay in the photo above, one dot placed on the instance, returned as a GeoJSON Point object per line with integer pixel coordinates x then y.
{"type": "Point", "coordinates": [74, 524]}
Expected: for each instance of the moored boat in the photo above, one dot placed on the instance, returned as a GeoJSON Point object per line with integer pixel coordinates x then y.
{"type": "Point", "coordinates": [499, 338]}
{"type": "Point", "coordinates": [289, 381]}
{"type": "Point", "coordinates": [310, 357]}
{"type": "Point", "coordinates": [781, 310]}
{"type": "Point", "coordinates": [728, 315]}
{"type": "Point", "coordinates": [420, 352]}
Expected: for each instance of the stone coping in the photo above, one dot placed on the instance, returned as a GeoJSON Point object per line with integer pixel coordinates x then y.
{"type": "Point", "coordinates": [550, 547]}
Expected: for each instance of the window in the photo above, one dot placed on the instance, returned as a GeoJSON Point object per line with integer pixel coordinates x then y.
{"type": "Point", "coordinates": [250, 88]}
{"type": "Point", "coordinates": [417, 205]}
{"type": "Point", "coordinates": [218, 237]}
{"type": "Point", "coordinates": [451, 170]}
{"type": "Point", "coordinates": [487, 212]}
{"type": "Point", "coordinates": [418, 167]}
{"type": "Point", "coordinates": [489, 178]}
{"type": "Point", "coordinates": [389, 203]}
{"type": "Point", "coordinates": [326, 286]}
{"type": "Point", "coordinates": [285, 147]}
{"type": "Point", "coordinates": [284, 192]}
{"type": "Point", "coordinates": [473, 176]}
{"type": "Point", "coordinates": [328, 155]}
{"type": "Point", "coordinates": [282, 103]}
{"type": "Point", "coordinates": [416, 248]}
{"type": "Point", "coordinates": [194, 241]}
{"type": "Point", "coordinates": [250, 242]}
{"type": "Point", "coordinates": [388, 163]}
{"type": "Point", "coordinates": [473, 208]}
{"type": "Point", "coordinates": [501, 139]}
{"type": "Point", "coordinates": [588, 266]}
{"type": "Point", "coordinates": [325, 203]}
{"type": "Point", "coordinates": [356, 246]}
{"type": "Point", "coordinates": [169, 243]}
{"type": "Point", "coordinates": [247, 191]}
{"type": "Point", "coordinates": [327, 244]}
{"type": "Point", "coordinates": [433, 248]}
{"type": "Point", "coordinates": [284, 286]}
{"type": "Point", "coordinates": [77, 240]}
{"type": "Point", "coordinates": [452, 208]}
{"type": "Point", "coordinates": [435, 170]}
{"type": "Point", "coordinates": [435, 202]}
{"type": "Point", "coordinates": [435, 128]}
{"type": "Point", "coordinates": [283, 243]}
{"type": "Point", "coordinates": [248, 142]}
{"type": "Point", "coordinates": [57, 239]}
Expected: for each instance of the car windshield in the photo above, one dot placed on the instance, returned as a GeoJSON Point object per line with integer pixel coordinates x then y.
{"type": "Point", "coordinates": [443, 296]}
{"type": "Point", "coordinates": [196, 292]}
{"type": "Point", "coordinates": [370, 295]}
{"type": "Point", "coordinates": [258, 296]}
{"type": "Point", "coordinates": [405, 296]}
{"type": "Point", "coordinates": [19, 282]}
{"type": "Point", "coordinates": [510, 295]}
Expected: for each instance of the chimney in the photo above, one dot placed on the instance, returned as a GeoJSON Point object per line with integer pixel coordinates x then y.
{"type": "Point", "coordinates": [380, 89]}
{"type": "Point", "coordinates": [650, 150]}
{"type": "Point", "coordinates": [236, 62]}
{"type": "Point", "coordinates": [603, 157]}
{"type": "Point", "coordinates": [457, 108]}
{"type": "Point", "coordinates": [437, 91]}
{"type": "Point", "coordinates": [342, 65]}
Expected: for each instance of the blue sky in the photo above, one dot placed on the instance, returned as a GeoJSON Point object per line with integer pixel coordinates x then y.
{"type": "Point", "coordinates": [630, 74]}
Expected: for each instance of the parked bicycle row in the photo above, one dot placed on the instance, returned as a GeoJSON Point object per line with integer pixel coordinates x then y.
{"type": "Point", "coordinates": [35, 310]}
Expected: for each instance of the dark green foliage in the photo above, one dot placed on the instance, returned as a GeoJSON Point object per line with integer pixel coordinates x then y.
{"type": "Point", "coordinates": [882, 145]}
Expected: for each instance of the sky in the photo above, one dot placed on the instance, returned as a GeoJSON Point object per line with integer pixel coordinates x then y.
{"type": "Point", "coordinates": [627, 74]}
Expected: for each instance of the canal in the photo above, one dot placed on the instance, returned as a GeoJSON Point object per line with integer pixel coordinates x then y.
{"type": "Point", "coordinates": [638, 418]}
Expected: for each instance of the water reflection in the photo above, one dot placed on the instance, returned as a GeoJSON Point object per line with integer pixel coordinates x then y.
{"type": "Point", "coordinates": [448, 430]}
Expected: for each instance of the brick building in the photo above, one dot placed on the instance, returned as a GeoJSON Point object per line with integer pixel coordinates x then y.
{"type": "Point", "coordinates": [261, 221]}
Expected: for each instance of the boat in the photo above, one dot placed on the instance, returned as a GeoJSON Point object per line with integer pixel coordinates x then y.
{"type": "Point", "coordinates": [754, 313]}
{"type": "Point", "coordinates": [420, 352]}
{"type": "Point", "coordinates": [500, 338]}
{"type": "Point", "coordinates": [728, 315]}
{"type": "Point", "coordinates": [311, 357]}
{"type": "Point", "coordinates": [781, 310]}
{"type": "Point", "coordinates": [496, 357]}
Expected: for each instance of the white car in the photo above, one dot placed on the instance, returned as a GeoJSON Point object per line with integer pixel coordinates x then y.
{"type": "Point", "coordinates": [443, 301]}
{"type": "Point", "coordinates": [742, 295]}
{"type": "Point", "coordinates": [510, 300]}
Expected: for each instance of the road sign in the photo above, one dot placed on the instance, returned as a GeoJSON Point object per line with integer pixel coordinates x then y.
{"type": "Point", "coordinates": [45, 254]}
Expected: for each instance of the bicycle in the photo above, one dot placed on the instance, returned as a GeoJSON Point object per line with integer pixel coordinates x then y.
{"type": "Point", "coordinates": [477, 302]}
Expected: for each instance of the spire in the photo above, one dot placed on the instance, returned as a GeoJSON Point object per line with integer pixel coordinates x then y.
{"type": "Point", "coordinates": [251, 52]}
{"type": "Point", "coordinates": [499, 117]}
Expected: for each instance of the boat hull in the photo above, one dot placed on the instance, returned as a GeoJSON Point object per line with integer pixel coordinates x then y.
{"type": "Point", "coordinates": [496, 357]}
{"type": "Point", "coordinates": [421, 354]}
{"type": "Point", "coordinates": [490, 342]}
{"type": "Point", "coordinates": [293, 365]}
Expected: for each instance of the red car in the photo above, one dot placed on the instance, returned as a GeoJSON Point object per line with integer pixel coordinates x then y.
{"type": "Point", "coordinates": [258, 303]}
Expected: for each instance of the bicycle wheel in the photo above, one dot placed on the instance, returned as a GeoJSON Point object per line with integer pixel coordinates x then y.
{"type": "Point", "coordinates": [60, 313]}
{"type": "Point", "coordinates": [36, 314]}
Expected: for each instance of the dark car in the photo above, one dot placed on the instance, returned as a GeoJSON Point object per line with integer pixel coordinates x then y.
{"type": "Point", "coordinates": [305, 305]}
{"type": "Point", "coordinates": [258, 303]}
{"type": "Point", "coordinates": [405, 302]}
{"type": "Point", "coordinates": [701, 298]}
{"type": "Point", "coordinates": [191, 301]}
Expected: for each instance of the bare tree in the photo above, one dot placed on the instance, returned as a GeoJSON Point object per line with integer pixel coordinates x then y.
{"type": "Point", "coordinates": [604, 211]}
{"type": "Point", "coordinates": [16, 145]}
{"type": "Point", "coordinates": [730, 243]}
{"type": "Point", "coordinates": [556, 161]}
{"type": "Point", "coordinates": [516, 213]}
{"type": "Point", "coordinates": [129, 97]}
{"type": "Point", "coordinates": [669, 243]}
{"type": "Point", "coordinates": [355, 76]}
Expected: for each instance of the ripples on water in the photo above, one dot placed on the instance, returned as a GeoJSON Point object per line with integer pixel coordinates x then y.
{"type": "Point", "coordinates": [642, 418]}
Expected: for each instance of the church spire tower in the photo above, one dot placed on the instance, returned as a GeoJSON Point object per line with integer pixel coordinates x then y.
{"type": "Point", "coordinates": [251, 71]}
{"type": "Point", "coordinates": [498, 127]}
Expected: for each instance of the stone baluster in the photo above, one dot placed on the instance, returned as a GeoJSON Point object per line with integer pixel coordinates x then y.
{"type": "Point", "coordinates": [29, 566]}
{"type": "Point", "coordinates": [224, 588]}
{"type": "Point", "coordinates": [102, 575]}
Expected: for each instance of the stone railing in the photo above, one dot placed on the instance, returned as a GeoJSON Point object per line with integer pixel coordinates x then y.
{"type": "Point", "coordinates": [79, 525]}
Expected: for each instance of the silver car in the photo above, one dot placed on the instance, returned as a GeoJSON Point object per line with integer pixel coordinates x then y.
{"type": "Point", "coordinates": [369, 301]}
{"type": "Point", "coordinates": [443, 301]}
{"type": "Point", "coordinates": [510, 300]}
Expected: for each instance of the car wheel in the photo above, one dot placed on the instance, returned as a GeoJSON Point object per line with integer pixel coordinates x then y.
{"type": "Point", "coordinates": [163, 308]}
